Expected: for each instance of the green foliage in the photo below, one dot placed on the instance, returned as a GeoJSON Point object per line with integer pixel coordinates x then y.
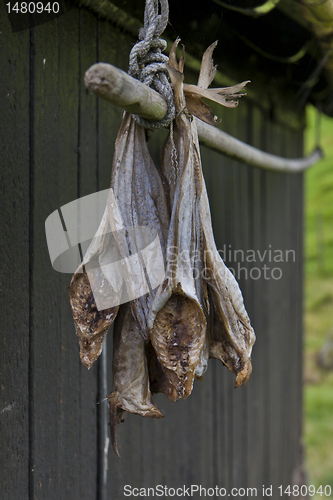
{"type": "Point", "coordinates": [318, 397]}
{"type": "Point", "coordinates": [319, 433]}
{"type": "Point", "coordinates": [319, 200]}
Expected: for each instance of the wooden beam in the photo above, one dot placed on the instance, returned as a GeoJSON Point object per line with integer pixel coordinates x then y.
{"type": "Point", "coordinates": [119, 88]}
{"type": "Point", "coordinates": [224, 143]}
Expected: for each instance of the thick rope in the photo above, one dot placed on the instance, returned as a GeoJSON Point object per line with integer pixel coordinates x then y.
{"type": "Point", "coordinates": [148, 64]}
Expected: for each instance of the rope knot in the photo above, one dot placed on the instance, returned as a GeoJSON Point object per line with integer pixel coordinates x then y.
{"type": "Point", "coordinates": [148, 64]}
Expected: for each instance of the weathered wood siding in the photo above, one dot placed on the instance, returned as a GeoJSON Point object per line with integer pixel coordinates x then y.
{"type": "Point", "coordinates": [56, 144]}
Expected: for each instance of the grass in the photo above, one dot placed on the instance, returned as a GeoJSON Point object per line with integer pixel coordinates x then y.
{"type": "Point", "coordinates": [318, 389]}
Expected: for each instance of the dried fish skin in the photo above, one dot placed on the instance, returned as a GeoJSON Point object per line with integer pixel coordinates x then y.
{"type": "Point", "coordinates": [232, 352]}
{"type": "Point", "coordinates": [178, 337]}
{"type": "Point", "coordinates": [177, 320]}
{"type": "Point", "coordinates": [139, 195]}
{"type": "Point", "coordinates": [207, 68]}
{"type": "Point", "coordinates": [157, 379]}
{"type": "Point", "coordinates": [131, 391]}
{"type": "Point", "coordinates": [184, 290]}
{"type": "Point", "coordinates": [231, 336]}
{"type": "Point", "coordinates": [202, 366]}
{"type": "Point", "coordinates": [92, 323]}
{"type": "Point", "coordinates": [231, 333]}
{"type": "Point", "coordinates": [224, 95]}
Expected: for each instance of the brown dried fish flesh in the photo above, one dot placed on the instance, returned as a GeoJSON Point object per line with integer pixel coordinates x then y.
{"type": "Point", "coordinates": [91, 323]}
{"type": "Point", "coordinates": [131, 391]}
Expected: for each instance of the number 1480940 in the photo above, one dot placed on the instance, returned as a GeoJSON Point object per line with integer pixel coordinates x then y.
{"type": "Point", "coordinates": [32, 7]}
{"type": "Point", "coordinates": [305, 490]}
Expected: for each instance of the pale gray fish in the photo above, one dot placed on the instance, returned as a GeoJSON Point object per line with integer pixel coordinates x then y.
{"type": "Point", "coordinates": [138, 192]}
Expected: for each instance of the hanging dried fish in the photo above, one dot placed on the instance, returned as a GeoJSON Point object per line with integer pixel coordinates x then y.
{"type": "Point", "coordinates": [177, 320]}
{"type": "Point", "coordinates": [131, 391]}
{"type": "Point", "coordinates": [92, 323]}
{"type": "Point", "coordinates": [230, 334]}
{"type": "Point", "coordinates": [165, 335]}
{"type": "Point", "coordinates": [142, 216]}
{"type": "Point", "coordinates": [133, 227]}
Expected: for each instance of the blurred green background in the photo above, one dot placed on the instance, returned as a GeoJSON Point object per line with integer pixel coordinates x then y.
{"type": "Point", "coordinates": [318, 362]}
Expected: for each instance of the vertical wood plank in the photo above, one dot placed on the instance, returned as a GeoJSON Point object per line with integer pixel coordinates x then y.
{"type": "Point", "coordinates": [46, 351]}
{"type": "Point", "coordinates": [56, 450]}
{"type": "Point", "coordinates": [257, 312]}
{"type": "Point", "coordinates": [91, 452]}
{"type": "Point", "coordinates": [288, 324]}
{"type": "Point", "coordinates": [14, 273]}
{"type": "Point", "coordinates": [240, 244]}
{"type": "Point", "coordinates": [293, 364]}
{"type": "Point", "coordinates": [264, 305]}
{"type": "Point", "coordinates": [223, 231]}
{"type": "Point", "coordinates": [274, 194]}
{"type": "Point", "coordinates": [279, 319]}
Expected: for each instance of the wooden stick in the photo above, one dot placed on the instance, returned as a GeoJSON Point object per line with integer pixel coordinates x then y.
{"type": "Point", "coordinates": [118, 87]}
{"type": "Point", "coordinates": [233, 148]}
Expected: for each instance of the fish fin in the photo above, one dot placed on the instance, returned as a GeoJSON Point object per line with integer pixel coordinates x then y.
{"type": "Point", "coordinates": [244, 375]}
{"type": "Point", "coordinates": [207, 70]}
{"type": "Point", "coordinates": [197, 107]}
{"type": "Point", "coordinates": [172, 55]}
{"type": "Point", "coordinates": [115, 418]}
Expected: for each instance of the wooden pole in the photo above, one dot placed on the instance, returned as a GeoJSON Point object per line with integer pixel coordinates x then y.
{"type": "Point", "coordinates": [118, 87]}
{"type": "Point", "coordinates": [224, 143]}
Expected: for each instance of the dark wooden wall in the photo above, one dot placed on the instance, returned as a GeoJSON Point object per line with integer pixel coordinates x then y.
{"type": "Point", "coordinates": [56, 144]}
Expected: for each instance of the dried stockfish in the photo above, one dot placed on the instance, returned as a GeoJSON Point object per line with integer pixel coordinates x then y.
{"type": "Point", "coordinates": [177, 319]}
{"type": "Point", "coordinates": [92, 322]}
{"type": "Point", "coordinates": [136, 219]}
{"type": "Point", "coordinates": [91, 325]}
{"type": "Point", "coordinates": [231, 334]}
{"type": "Point", "coordinates": [131, 391]}
{"type": "Point", "coordinates": [141, 217]}
{"type": "Point", "coordinates": [178, 337]}
{"type": "Point", "coordinates": [157, 378]}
